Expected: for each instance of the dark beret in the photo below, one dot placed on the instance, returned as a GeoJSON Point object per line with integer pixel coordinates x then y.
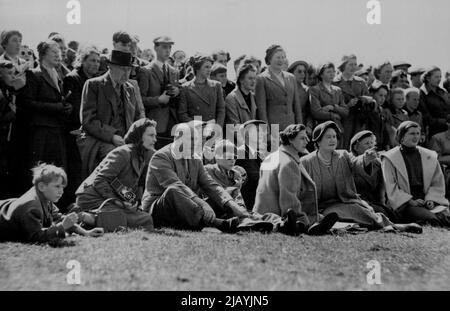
{"type": "Point", "coordinates": [320, 130]}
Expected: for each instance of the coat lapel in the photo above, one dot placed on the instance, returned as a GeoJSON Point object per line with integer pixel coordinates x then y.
{"type": "Point", "coordinates": [275, 80]}
{"type": "Point", "coordinates": [110, 92]}
{"type": "Point", "coordinates": [241, 100]}
{"type": "Point", "coordinates": [195, 88]}
{"type": "Point", "coordinates": [397, 160]}
{"type": "Point", "coordinates": [156, 71]}
{"type": "Point", "coordinates": [428, 167]}
{"type": "Point", "coordinates": [49, 80]}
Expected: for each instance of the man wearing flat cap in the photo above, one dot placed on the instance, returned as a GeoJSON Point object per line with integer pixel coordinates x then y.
{"type": "Point", "coordinates": [399, 79]}
{"type": "Point", "coordinates": [401, 65]}
{"type": "Point", "coordinates": [109, 106]}
{"type": "Point", "coordinates": [353, 88]}
{"type": "Point", "coordinates": [415, 74]}
{"type": "Point", "coordinates": [160, 90]}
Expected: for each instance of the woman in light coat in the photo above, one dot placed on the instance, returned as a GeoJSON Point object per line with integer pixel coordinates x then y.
{"type": "Point", "coordinates": [286, 188]}
{"type": "Point", "coordinates": [331, 170]}
{"type": "Point", "coordinates": [414, 181]}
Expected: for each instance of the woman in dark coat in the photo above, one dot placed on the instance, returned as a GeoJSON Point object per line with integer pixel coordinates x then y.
{"type": "Point", "coordinates": [112, 191]}
{"type": "Point", "coordinates": [331, 170]}
{"type": "Point", "coordinates": [87, 66]}
{"type": "Point", "coordinates": [202, 97]}
{"type": "Point", "coordinates": [327, 101]}
{"type": "Point", "coordinates": [44, 100]}
{"type": "Point", "coordinates": [299, 69]}
{"type": "Point", "coordinates": [434, 101]}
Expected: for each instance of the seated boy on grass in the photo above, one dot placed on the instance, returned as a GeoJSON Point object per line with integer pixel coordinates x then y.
{"type": "Point", "coordinates": [33, 217]}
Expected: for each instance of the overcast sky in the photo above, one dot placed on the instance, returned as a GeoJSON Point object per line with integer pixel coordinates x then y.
{"type": "Point", "coordinates": [417, 31]}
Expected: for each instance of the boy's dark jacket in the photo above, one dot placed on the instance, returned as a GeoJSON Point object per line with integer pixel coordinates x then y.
{"type": "Point", "coordinates": [29, 219]}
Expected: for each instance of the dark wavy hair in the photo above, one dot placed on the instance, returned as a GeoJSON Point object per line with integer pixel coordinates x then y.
{"type": "Point", "coordinates": [290, 133]}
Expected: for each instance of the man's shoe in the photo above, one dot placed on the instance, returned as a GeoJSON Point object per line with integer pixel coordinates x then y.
{"type": "Point", "coordinates": [291, 223]}
{"type": "Point", "coordinates": [229, 225]}
{"type": "Point", "coordinates": [410, 228]}
{"type": "Point", "coordinates": [322, 227]}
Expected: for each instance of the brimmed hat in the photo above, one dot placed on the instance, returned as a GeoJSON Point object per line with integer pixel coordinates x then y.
{"type": "Point", "coordinates": [320, 130]}
{"type": "Point", "coordinates": [120, 58]}
{"type": "Point", "coordinates": [399, 64]}
{"type": "Point", "coordinates": [416, 71]}
{"type": "Point", "coordinates": [296, 63]}
{"type": "Point", "coordinates": [363, 71]}
{"type": "Point", "coordinates": [358, 137]}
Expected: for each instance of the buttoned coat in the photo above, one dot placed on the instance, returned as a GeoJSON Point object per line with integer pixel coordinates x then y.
{"type": "Point", "coordinates": [285, 184]}
{"type": "Point", "coordinates": [151, 85]}
{"type": "Point", "coordinates": [277, 104]}
{"type": "Point", "coordinates": [396, 178]}
{"type": "Point", "coordinates": [237, 113]}
{"type": "Point", "coordinates": [208, 102]}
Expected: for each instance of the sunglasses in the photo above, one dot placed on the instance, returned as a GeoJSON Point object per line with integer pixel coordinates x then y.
{"type": "Point", "coordinates": [29, 53]}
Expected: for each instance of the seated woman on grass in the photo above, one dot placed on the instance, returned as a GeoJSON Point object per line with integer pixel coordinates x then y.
{"type": "Point", "coordinates": [414, 181]}
{"type": "Point", "coordinates": [111, 193]}
{"type": "Point", "coordinates": [331, 170]}
{"type": "Point", "coordinates": [33, 217]}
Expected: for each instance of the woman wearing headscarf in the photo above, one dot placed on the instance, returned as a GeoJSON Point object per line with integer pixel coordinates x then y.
{"type": "Point", "coordinates": [327, 100]}
{"type": "Point", "coordinates": [331, 170]}
{"type": "Point", "coordinates": [299, 69]}
{"type": "Point", "coordinates": [414, 181]}
{"type": "Point", "coordinates": [286, 188]}
{"type": "Point", "coordinates": [112, 191]}
{"type": "Point", "coordinates": [434, 101]}
{"type": "Point", "coordinates": [202, 97]}
{"type": "Point", "coordinates": [276, 92]}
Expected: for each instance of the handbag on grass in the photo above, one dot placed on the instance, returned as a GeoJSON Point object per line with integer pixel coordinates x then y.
{"type": "Point", "coordinates": [110, 219]}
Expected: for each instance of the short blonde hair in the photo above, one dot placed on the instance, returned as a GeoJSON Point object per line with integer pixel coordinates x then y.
{"type": "Point", "coordinates": [47, 173]}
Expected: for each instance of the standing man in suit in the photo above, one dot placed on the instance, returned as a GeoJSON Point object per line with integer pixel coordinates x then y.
{"type": "Point", "coordinates": [276, 93]}
{"type": "Point", "coordinates": [109, 106]}
{"type": "Point", "coordinates": [160, 90]}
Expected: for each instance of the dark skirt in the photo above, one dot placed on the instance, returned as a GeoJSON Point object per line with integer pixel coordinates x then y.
{"type": "Point", "coordinates": [356, 213]}
{"type": "Point", "coordinates": [48, 144]}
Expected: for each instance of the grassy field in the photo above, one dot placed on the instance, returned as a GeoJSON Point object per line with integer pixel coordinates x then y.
{"type": "Point", "coordinates": [179, 260]}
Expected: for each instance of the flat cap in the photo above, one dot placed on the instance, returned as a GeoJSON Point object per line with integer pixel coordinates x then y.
{"type": "Point", "coordinates": [400, 64]}
{"type": "Point", "coordinates": [163, 40]}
